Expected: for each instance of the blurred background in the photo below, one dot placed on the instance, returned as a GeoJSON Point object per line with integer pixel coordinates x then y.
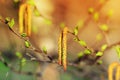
{"type": "Point", "coordinates": [88, 15]}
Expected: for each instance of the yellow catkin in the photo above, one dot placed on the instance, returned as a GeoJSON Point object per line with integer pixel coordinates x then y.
{"type": "Point", "coordinates": [60, 50]}
{"type": "Point", "coordinates": [110, 70]}
{"type": "Point", "coordinates": [118, 72]}
{"type": "Point", "coordinates": [64, 57]}
{"type": "Point", "coordinates": [21, 17]}
{"type": "Point", "coordinates": [29, 20]}
{"type": "Point", "coordinates": [25, 19]}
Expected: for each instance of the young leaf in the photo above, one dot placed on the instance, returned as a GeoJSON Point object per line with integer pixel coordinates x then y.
{"type": "Point", "coordinates": [75, 31]}
{"type": "Point", "coordinates": [23, 61]}
{"type": "Point", "coordinates": [99, 61]}
{"type": "Point", "coordinates": [82, 43]}
{"type": "Point", "coordinates": [80, 54]}
{"type": "Point", "coordinates": [23, 34]}
{"type": "Point", "coordinates": [11, 23]}
{"type": "Point", "coordinates": [19, 55]}
{"type": "Point", "coordinates": [62, 24]}
{"type": "Point", "coordinates": [27, 44]}
{"type": "Point", "coordinates": [103, 47]}
{"type": "Point", "coordinates": [99, 54]}
{"type": "Point", "coordinates": [87, 51]}
{"type": "Point", "coordinates": [31, 2]}
{"type": "Point", "coordinates": [48, 22]}
{"type": "Point", "coordinates": [36, 12]}
{"type": "Point", "coordinates": [117, 48]}
{"type": "Point", "coordinates": [104, 27]}
{"type": "Point", "coordinates": [44, 50]}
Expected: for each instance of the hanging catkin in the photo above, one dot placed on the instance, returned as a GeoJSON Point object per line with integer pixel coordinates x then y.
{"type": "Point", "coordinates": [60, 49]}
{"type": "Point", "coordinates": [25, 19]}
{"type": "Point", "coordinates": [64, 57]}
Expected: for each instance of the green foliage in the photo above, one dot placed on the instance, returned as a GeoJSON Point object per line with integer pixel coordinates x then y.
{"type": "Point", "coordinates": [99, 61]}
{"type": "Point", "coordinates": [23, 61]}
{"type": "Point", "coordinates": [87, 51]}
{"type": "Point", "coordinates": [44, 49]}
{"type": "Point", "coordinates": [82, 43]}
{"type": "Point", "coordinates": [48, 22]}
{"type": "Point", "coordinates": [99, 54]}
{"type": "Point", "coordinates": [24, 35]}
{"type": "Point", "coordinates": [36, 12]}
{"type": "Point", "coordinates": [27, 44]}
{"type": "Point", "coordinates": [10, 22]}
{"type": "Point", "coordinates": [75, 31]}
{"type": "Point", "coordinates": [80, 54]}
{"type": "Point", "coordinates": [62, 24]}
{"type": "Point", "coordinates": [31, 2]}
{"type": "Point", "coordinates": [19, 55]}
{"type": "Point", "coordinates": [103, 47]}
{"type": "Point", "coordinates": [117, 48]}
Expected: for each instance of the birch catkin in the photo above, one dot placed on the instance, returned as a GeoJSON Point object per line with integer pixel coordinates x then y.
{"type": "Point", "coordinates": [60, 49]}
{"type": "Point", "coordinates": [64, 57]}
{"type": "Point", "coordinates": [118, 72]}
{"type": "Point", "coordinates": [25, 19]}
{"type": "Point", "coordinates": [110, 70]}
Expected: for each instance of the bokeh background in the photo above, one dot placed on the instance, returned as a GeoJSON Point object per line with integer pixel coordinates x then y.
{"type": "Point", "coordinates": [45, 32]}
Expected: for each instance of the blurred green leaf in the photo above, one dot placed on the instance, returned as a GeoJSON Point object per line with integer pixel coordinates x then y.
{"type": "Point", "coordinates": [62, 24]}
{"type": "Point", "coordinates": [87, 51]}
{"type": "Point", "coordinates": [80, 24]}
{"type": "Point", "coordinates": [99, 54]}
{"type": "Point", "coordinates": [103, 47]}
{"type": "Point", "coordinates": [11, 23]}
{"type": "Point", "coordinates": [19, 55]}
{"type": "Point", "coordinates": [24, 35]}
{"type": "Point", "coordinates": [80, 54]}
{"type": "Point", "coordinates": [31, 2]}
{"type": "Point", "coordinates": [99, 61]}
{"type": "Point", "coordinates": [27, 44]}
{"type": "Point", "coordinates": [75, 31]}
{"type": "Point", "coordinates": [48, 22]}
{"type": "Point", "coordinates": [82, 43]}
{"type": "Point", "coordinates": [104, 27]}
{"type": "Point", "coordinates": [36, 12]}
{"type": "Point", "coordinates": [44, 50]}
{"type": "Point", "coordinates": [23, 61]}
{"type": "Point", "coordinates": [117, 48]}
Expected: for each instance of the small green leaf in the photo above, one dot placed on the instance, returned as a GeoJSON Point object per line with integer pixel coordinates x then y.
{"type": "Point", "coordinates": [82, 43]}
{"type": "Point", "coordinates": [103, 47]}
{"type": "Point", "coordinates": [24, 35]}
{"type": "Point", "coordinates": [36, 12]}
{"type": "Point", "coordinates": [7, 19]}
{"type": "Point", "coordinates": [117, 48]}
{"type": "Point", "coordinates": [75, 31]}
{"type": "Point", "coordinates": [99, 61]}
{"type": "Point", "coordinates": [80, 54]}
{"type": "Point", "coordinates": [23, 61]}
{"type": "Point", "coordinates": [48, 22]}
{"type": "Point", "coordinates": [11, 23]}
{"type": "Point", "coordinates": [104, 27]}
{"type": "Point", "coordinates": [31, 2]}
{"type": "Point", "coordinates": [80, 24]}
{"type": "Point", "coordinates": [62, 24]}
{"type": "Point", "coordinates": [19, 55]}
{"type": "Point", "coordinates": [27, 44]}
{"type": "Point", "coordinates": [75, 39]}
{"type": "Point", "coordinates": [99, 54]}
{"type": "Point", "coordinates": [44, 50]}
{"type": "Point", "coordinates": [87, 51]}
